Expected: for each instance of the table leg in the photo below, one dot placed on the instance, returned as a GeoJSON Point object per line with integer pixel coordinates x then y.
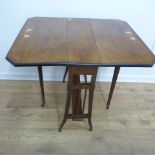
{"type": "Point", "coordinates": [66, 70]}
{"type": "Point", "coordinates": [114, 79]}
{"type": "Point", "coordinates": [66, 108]}
{"type": "Point", "coordinates": [41, 84]}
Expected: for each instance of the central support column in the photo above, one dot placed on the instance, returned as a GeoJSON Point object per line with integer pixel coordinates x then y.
{"type": "Point", "coordinates": [74, 88]}
{"type": "Point", "coordinates": [76, 100]}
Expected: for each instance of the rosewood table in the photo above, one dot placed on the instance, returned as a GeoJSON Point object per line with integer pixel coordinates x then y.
{"type": "Point", "coordinates": [82, 45]}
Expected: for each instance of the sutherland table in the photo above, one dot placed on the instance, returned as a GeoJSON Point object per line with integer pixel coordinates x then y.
{"type": "Point", "coordinates": [82, 45]}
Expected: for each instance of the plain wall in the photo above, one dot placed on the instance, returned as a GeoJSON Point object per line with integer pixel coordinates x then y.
{"type": "Point", "coordinates": [138, 13]}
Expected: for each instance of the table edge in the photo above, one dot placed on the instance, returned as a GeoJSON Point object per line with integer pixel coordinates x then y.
{"type": "Point", "coordinates": [75, 64]}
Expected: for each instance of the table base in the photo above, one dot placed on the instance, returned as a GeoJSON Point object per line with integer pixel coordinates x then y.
{"type": "Point", "coordinates": [74, 93]}
{"type": "Point", "coordinates": [75, 86]}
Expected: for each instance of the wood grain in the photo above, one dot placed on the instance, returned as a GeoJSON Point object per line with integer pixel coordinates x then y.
{"type": "Point", "coordinates": [127, 128]}
{"type": "Point", "coordinates": [82, 48]}
{"type": "Point", "coordinates": [118, 43]}
{"type": "Point", "coordinates": [74, 41]}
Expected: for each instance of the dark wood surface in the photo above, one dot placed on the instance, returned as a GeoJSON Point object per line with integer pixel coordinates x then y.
{"type": "Point", "coordinates": [70, 41]}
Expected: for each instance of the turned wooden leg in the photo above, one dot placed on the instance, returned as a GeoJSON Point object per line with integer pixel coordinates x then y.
{"type": "Point", "coordinates": [114, 79]}
{"type": "Point", "coordinates": [41, 84]}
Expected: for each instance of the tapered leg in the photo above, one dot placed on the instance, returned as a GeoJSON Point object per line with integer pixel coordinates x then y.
{"type": "Point", "coordinates": [114, 79]}
{"type": "Point", "coordinates": [91, 94]}
{"type": "Point", "coordinates": [41, 85]}
{"type": "Point", "coordinates": [65, 74]}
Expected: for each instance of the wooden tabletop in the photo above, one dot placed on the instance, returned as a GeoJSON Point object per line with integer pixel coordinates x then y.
{"type": "Point", "coordinates": [74, 41]}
